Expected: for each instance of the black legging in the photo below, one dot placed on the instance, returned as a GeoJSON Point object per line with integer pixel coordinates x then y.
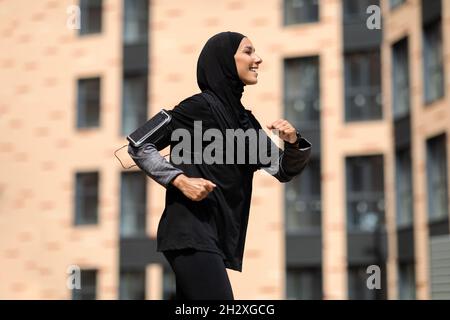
{"type": "Point", "coordinates": [199, 275]}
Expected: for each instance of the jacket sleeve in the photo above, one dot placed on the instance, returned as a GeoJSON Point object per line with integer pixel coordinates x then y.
{"type": "Point", "coordinates": [288, 163]}
{"type": "Point", "coordinates": [147, 156]}
{"type": "Point", "coordinates": [149, 160]}
{"type": "Point", "coordinates": [293, 160]}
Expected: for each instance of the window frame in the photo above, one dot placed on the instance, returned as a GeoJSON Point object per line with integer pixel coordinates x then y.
{"type": "Point", "coordinates": [360, 63]}
{"type": "Point", "coordinates": [88, 8]}
{"type": "Point", "coordinates": [82, 293]}
{"type": "Point", "coordinates": [88, 97]}
{"type": "Point", "coordinates": [80, 198]}
{"type": "Point", "coordinates": [315, 18]}
{"type": "Point", "coordinates": [139, 229]}
{"type": "Point", "coordinates": [371, 195]}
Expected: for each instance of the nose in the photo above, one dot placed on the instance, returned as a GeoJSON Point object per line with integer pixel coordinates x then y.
{"type": "Point", "coordinates": [258, 59]}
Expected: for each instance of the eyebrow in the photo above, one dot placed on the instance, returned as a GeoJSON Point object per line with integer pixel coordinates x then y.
{"type": "Point", "coordinates": [249, 47]}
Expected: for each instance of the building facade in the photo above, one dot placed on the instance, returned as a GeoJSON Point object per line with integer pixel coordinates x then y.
{"type": "Point", "coordinates": [366, 81]}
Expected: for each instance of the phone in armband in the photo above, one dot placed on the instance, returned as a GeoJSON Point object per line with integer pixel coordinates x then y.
{"type": "Point", "coordinates": [154, 128]}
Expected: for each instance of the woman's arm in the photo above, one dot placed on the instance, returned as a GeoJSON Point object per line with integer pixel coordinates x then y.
{"type": "Point", "coordinates": [296, 153]}
{"type": "Point", "coordinates": [148, 159]}
{"type": "Point", "coordinates": [162, 171]}
{"type": "Point", "coordinates": [293, 159]}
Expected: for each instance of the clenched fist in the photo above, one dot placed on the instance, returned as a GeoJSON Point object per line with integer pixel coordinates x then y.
{"type": "Point", "coordinates": [285, 130]}
{"type": "Point", "coordinates": [195, 189]}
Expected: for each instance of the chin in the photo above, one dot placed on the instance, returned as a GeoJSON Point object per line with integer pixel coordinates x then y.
{"type": "Point", "coordinates": [250, 82]}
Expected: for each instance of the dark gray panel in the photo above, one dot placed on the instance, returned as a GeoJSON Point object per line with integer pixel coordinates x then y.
{"type": "Point", "coordinates": [438, 228]}
{"type": "Point", "coordinates": [357, 37]}
{"type": "Point", "coordinates": [402, 132]}
{"type": "Point", "coordinates": [405, 244]}
{"type": "Point", "coordinates": [135, 58]}
{"type": "Point", "coordinates": [366, 247]}
{"type": "Point", "coordinates": [431, 11]}
{"type": "Point", "coordinates": [139, 252]}
{"type": "Point", "coordinates": [303, 249]}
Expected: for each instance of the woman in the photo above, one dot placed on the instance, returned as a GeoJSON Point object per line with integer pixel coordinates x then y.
{"type": "Point", "coordinates": [203, 227]}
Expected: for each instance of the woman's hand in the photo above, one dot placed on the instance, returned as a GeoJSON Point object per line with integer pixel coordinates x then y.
{"type": "Point", "coordinates": [195, 189]}
{"type": "Point", "coordinates": [285, 130]}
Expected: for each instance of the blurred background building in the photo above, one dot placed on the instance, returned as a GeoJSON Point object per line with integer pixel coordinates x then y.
{"type": "Point", "coordinates": [373, 101]}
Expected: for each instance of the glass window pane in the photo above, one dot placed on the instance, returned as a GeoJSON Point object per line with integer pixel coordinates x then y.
{"type": "Point", "coordinates": [365, 193]}
{"type": "Point", "coordinates": [135, 22]}
{"type": "Point", "coordinates": [91, 16]}
{"type": "Point", "coordinates": [86, 210]}
{"type": "Point", "coordinates": [437, 178]}
{"type": "Point", "coordinates": [301, 11]}
{"type": "Point", "coordinates": [88, 103]}
{"type": "Point", "coordinates": [433, 62]}
{"type": "Point", "coordinates": [133, 204]}
{"type": "Point", "coordinates": [357, 284]}
{"type": "Point", "coordinates": [134, 109]}
{"type": "Point", "coordinates": [304, 283]}
{"type": "Point", "coordinates": [169, 284]}
{"type": "Point", "coordinates": [132, 285]}
{"type": "Point", "coordinates": [404, 203]}
{"type": "Point", "coordinates": [303, 200]}
{"type": "Point", "coordinates": [301, 95]}
{"type": "Point", "coordinates": [395, 3]}
{"type": "Point", "coordinates": [400, 70]}
{"type": "Point", "coordinates": [406, 281]}
{"type": "Point", "coordinates": [362, 86]}
{"type": "Point", "coordinates": [88, 282]}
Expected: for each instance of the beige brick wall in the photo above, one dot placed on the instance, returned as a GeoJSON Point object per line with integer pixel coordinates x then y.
{"type": "Point", "coordinates": [40, 150]}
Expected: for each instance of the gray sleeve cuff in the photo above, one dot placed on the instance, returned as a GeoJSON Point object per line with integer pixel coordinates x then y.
{"type": "Point", "coordinates": [148, 159]}
{"type": "Point", "coordinates": [293, 160]}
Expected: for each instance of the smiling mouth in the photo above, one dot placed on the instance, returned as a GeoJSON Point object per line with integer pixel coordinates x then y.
{"type": "Point", "coordinates": [255, 70]}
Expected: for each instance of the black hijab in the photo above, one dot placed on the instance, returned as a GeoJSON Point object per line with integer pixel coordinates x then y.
{"type": "Point", "coordinates": [217, 73]}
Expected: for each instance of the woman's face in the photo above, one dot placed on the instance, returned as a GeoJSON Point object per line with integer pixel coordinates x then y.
{"type": "Point", "coordinates": [247, 62]}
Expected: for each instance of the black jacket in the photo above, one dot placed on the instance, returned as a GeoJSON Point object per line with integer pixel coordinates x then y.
{"type": "Point", "coordinates": [218, 223]}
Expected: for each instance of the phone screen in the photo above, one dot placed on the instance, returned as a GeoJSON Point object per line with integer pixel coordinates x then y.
{"type": "Point", "coordinates": [145, 131]}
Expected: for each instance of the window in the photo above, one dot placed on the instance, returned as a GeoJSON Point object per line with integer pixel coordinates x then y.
{"type": "Point", "coordinates": [133, 204]}
{"type": "Point", "coordinates": [132, 285]}
{"type": "Point", "coordinates": [88, 282]}
{"type": "Point", "coordinates": [304, 283]}
{"type": "Point", "coordinates": [396, 3]}
{"type": "Point", "coordinates": [86, 198]}
{"type": "Point", "coordinates": [88, 103]}
{"type": "Point", "coordinates": [135, 29]}
{"type": "Point", "coordinates": [301, 93]}
{"type": "Point", "coordinates": [169, 284]}
{"type": "Point", "coordinates": [400, 70]}
{"type": "Point", "coordinates": [357, 284]}
{"type": "Point", "coordinates": [437, 178]}
{"type": "Point", "coordinates": [91, 16]}
{"type": "Point", "coordinates": [134, 110]}
{"type": "Point", "coordinates": [301, 11]}
{"type": "Point", "coordinates": [406, 281]}
{"type": "Point", "coordinates": [303, 201]}
{"type": "Point", "coordinates": [362, 86]}
{"type": "Point", "coordinates": [365, 193]}
{"type": "Point", "coordinates": [404, 201]}
{"type": "Point", "coordinates": [432, 61]}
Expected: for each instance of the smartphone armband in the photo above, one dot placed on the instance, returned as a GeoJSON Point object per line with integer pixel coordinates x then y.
{"type": "Point", "coordinates": [153, 130]}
